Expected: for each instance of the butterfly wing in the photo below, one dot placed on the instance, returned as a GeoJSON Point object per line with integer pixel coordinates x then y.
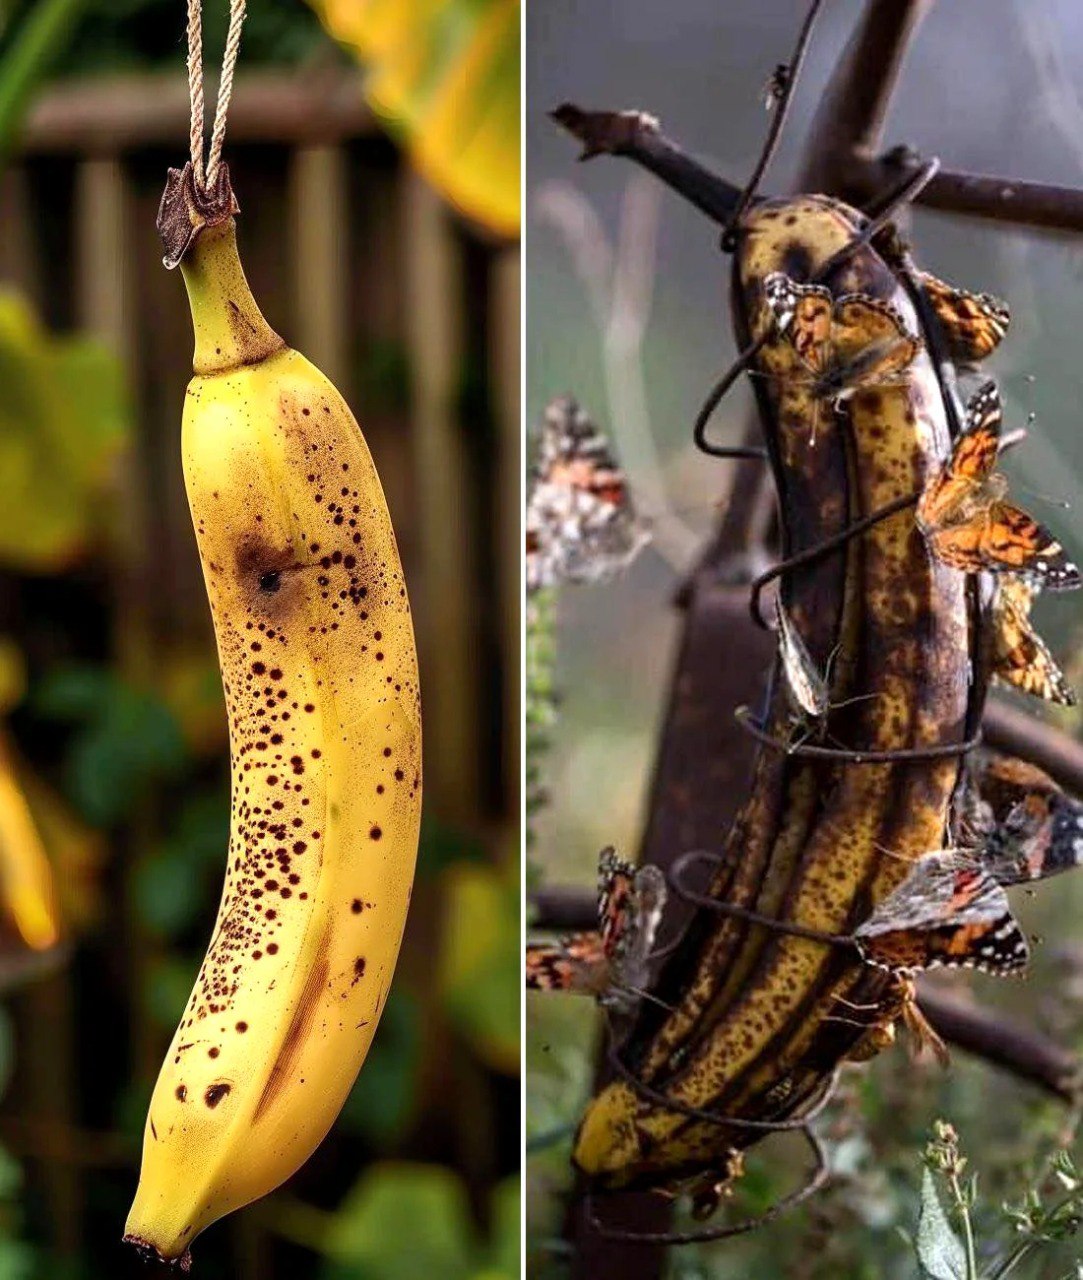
{"type": "Point", "coordinates": [973, 458]}
{"type": "Point", "coordinates": [972, 323]}
{"type": "Point", "coordinates": [581, 524]}
{"type": "Point", "coordinates": [1020, 655]}
{"type": "Point", "coordinates": [648, 902]}
{"type": "Point", "coordinates": [872, 347]}
{"type": "Point", "coordinates": [802, 313]}
{"type": "Point", "coordinates": [577, 964]}
{"type": "Point", "coordinates": [616, 900]}
{"type": "Point", "coordinates": [1012, 541]}
{"type": "Point", "coordinates": [947, 912]}
{"type": "Point", "coordinates": [807, 688]}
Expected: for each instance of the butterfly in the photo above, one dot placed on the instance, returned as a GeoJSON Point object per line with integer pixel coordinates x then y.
{"type": "Point", "coordinates": [1026, 828]}
{"type": "Point", "coordinates": [581, 525]}
{"type": "Point", "coordinates": [808, 690]}
{"type": "Point", "coordinates": [1020, 655]}
{"type": "Point", "coordinates": [972, 323]}
{"type": "Point", "coordinates": [845, 345]}
{"type": "Point", "coordinates": [612, 962]}
{"type": "Point", "coordinates": [900, 1001]}
{"type": "Point", "coordinates": [947, 912]}
{"type": "Point", "coordinates": [966, 519]}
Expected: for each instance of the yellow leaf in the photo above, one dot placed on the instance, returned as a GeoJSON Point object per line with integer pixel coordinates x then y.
{"type": "Point", "coordinates": [62, 423]}
{"type": "Point", "coordinates": [444, 75]}
{"type": "Point", "coordinates": [27, 894]}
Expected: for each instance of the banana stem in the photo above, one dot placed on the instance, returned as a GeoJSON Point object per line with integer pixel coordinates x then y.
{"type": "Point", "coordinates": [230, 330]}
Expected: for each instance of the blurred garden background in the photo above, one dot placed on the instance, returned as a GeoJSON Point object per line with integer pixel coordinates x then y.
{"type": "Point", "coordinates": [374, 150]}
{"type": "Point", "coordinates": [627, 309]}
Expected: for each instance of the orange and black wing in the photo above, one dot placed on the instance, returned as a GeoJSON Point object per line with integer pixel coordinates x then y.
{"type": "Point", "coordinates": [1020, 655]}
{"type": "Point", "coordinates": [872, 346]}
{"type": "Point", "coordinates": [577, 964]}
{"type": "Point", "coordinates": [972, 323]}
{"type": "Point", "coordinates": [802, 314]}
{"type": "Point", "coordinates": [973, 458]}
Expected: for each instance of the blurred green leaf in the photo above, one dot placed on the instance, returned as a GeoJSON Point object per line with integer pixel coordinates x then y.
{"type": "Point", "coordinates": [939, 1249]}
{"type": "Point", "coordinates": [444, 75]}
{"type": "Point", "coordinates": [170, 886]}
{"type": "Point", "coordinates": [168, 985]}
{"type": "Point", "coordinates": [63, 420]}
{"type": "Point", "coordinates": [29, 51]}
{"type": "Point", "coordinates": [506, 1229]}
{"type": "Point", "coordinates": [402, 1222]}
{"type": "Point", "coordinates": [442, 846]}
{"type": "Point", "coordinates": [127, 739]}
{"type": "Point", "coordinates": [412, 1222]}
{"type": "Point", "coordinates": [382, 1100]}
{"type": "Point", "coordinates": [480, 965]}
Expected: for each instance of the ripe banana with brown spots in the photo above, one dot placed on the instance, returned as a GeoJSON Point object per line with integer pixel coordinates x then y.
{"type": "Point", "coordinates": [316, 646]}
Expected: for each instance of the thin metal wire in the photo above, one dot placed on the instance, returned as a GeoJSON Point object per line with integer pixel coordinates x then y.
{"type": "Point", "coordinates": [820, 549]}
{"type": "Point", "coordinates": [816, 1180]}
{"type": "Point", "coordinates": [676, 875]}
{"type": "Point", "coordinates": [668, 1103]}
{"type": "Point", "coordinates": [902, 193]}
{"type": "Point", "coordinates": [782, 110]}
{"type": "Point", "coordinates": [849, 755]}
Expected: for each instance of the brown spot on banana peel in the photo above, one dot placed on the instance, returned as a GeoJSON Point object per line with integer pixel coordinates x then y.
{"type": "Point", "coordinates": [904, 624]}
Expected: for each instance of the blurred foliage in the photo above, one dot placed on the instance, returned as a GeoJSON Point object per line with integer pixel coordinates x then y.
{"type": "Point", "coordinates": [480, 962]}
{"type": "Point", "coordinates": [444, 76]}
{"type": "Point", "coordinates": [539, 697]}
{"type": "Point", "coordinates": [411, 1221]}
{"type": "Point", "coordinates": [123, 741]}
{"type": "Point", "coordinates": [63, 422]}
{"type": "Point", "coordinates": [118, 35]}
{"type": "Point", "coordinates": [29, 46]}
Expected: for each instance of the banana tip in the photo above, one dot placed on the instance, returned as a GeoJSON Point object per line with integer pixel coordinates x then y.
{"type": "Point", "coordinates": [150, 1253]}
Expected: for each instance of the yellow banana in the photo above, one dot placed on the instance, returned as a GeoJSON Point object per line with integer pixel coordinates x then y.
{"type": "Point", "coordinates": [319, 670]}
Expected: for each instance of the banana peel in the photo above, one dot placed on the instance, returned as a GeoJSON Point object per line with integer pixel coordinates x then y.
{"type": "Point", "coordinates": [754, 1033]}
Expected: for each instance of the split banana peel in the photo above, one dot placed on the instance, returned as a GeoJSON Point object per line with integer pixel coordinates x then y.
{"type": "Point", "coordinates": [316, 646]}
{"type": "Point", "coordinates": [760, 1019]}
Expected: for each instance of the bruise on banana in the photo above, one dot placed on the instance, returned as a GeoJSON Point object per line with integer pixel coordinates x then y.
{"type": "Point", "coordinates": [761, 1018]}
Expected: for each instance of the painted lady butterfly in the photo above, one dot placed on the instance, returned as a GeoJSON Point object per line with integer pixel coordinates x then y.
{"type": "Point", "coordinates": [580, 522]}
{"type": "Point", "coordinates": [844, 345]}
{"type": "Point", "coordinates": [611, 963]}
{"type": "Point", "coordinates": [966, 519]}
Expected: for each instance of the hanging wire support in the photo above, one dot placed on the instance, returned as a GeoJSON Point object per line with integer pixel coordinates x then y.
{"type": "Point", "coordinates": [819, 549]}
{"type": "Point", "coordinates": [881, 214]}
{"type": "Point", "coordinates": [676, 879]}
{"type": "Point", "coordinates": [817, 1178]}
{"type": "Point", "coordinates": [778, 121]}
{"type": "Point", "coordinates": [667, 1103]}
{"type": "Point", "coordinates": [848, 755]}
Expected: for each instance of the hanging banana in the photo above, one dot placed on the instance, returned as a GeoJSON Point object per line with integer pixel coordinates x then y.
{"type": "Point", "coordinates": [319, 670]}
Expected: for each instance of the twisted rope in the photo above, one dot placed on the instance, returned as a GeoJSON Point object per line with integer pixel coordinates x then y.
{"type": "Point", "coordinates": [206, 178]}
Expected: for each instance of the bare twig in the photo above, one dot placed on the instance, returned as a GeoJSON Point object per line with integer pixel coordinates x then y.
{"type": "Point", "coordinates": [1018, 734]}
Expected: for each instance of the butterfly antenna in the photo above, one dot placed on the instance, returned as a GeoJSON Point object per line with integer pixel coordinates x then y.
{"type": "Point", "coordinates": [778, 120]}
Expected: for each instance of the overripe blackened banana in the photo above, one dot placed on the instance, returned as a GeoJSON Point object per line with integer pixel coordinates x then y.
{"type": "Point", "coordinates": [818, 842]}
